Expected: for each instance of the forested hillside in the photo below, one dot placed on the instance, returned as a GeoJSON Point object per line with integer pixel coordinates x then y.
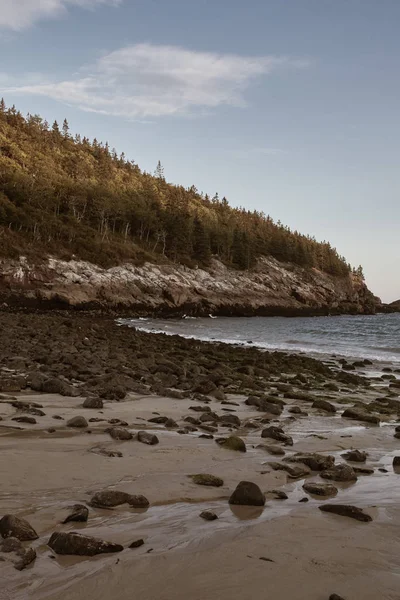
{"type": "Point", "coordinates": [69, 196]}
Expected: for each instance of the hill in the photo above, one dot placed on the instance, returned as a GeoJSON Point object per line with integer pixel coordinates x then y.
{"type": "Point", "coordinates": [65, 198]}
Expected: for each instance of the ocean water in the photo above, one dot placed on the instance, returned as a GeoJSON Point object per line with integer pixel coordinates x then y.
{"type": "Point", "coordinates": [376, 337]}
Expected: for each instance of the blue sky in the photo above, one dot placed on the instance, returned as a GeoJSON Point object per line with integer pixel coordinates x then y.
{"type": "Point", "coordinates": [286, 106]}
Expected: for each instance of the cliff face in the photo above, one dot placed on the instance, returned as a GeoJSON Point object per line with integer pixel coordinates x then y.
{"type": "Point", "coordinates": [271, 288]}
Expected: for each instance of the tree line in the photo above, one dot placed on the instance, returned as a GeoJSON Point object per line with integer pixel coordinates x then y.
{"type": "Point", "coordinates": [70, 196]}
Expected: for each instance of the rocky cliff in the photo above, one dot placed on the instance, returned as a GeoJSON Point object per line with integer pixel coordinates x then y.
{"type": "Point", "coordinates": [271, 288]}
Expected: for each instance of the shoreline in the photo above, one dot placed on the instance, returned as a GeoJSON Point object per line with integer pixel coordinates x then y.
{"type": "Point", "coordinates": [216, 386]}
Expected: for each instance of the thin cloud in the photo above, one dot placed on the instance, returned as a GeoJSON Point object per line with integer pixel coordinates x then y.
{"type": "Point", "coordinates": [146, 80]}
{"type": "Point", "coordinates": [21, 14]}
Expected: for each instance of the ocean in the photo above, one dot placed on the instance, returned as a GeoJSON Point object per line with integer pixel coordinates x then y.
{"type": "Point", "coordinates": [376, 337]}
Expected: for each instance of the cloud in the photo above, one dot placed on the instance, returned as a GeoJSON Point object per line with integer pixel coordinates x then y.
{"type": "Point", "coordinates": [20, 14]}
{"type": "Point", "coordinates": [147, 80]}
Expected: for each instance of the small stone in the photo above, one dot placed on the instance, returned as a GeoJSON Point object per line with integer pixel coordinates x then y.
{"type": "Point", "coordinates": [294, 471]}
{"type": "Point", "coordinates": [93, 403]}
{"type": "Point", "coordinates": [272, 449]}
{"type": "Point", "coordinates": [324, 405]}
{"type": "Point", "coordinates": [396, 461]}
{"type": "Point", "coordinates": [208, 515]}
{"type": "Point", "coordinates": [119, 433]}
{"type": "Point", "coordinates": [159, 420]}
{"type": "Point", "coordinates": [207, 480]}
{"type": "Point", "coordinates": [346, 510]}
{"type": "Point", "coordinates": [341, 472]}
{"type": "Point", "coordinates": [247, 494]}
{"type": "Point", "coordinates": [79, 514]}
{"type": "Point", "coordinates": [304, 500]}
{"type": "Point", "coordinates": [360, 415]}
{"type": "Point", "coordinates": [277, 433]}
{"type": "Point", "coordinates": [355, 456]}
{"type": "Point", "coordinates": [80, 545]}
{"type": "Point", "coordinates": [320, 489]}
{"type": "Point", "coordinates": [78, 422]}
{"type": "Point", "coordinates": [233, 443]}
{"type": "Point", "coordinates": [136, 544]}
{"type": "Point", "coordinates": [147, 438]}
{"type": "Point", "coordinates": [277, 495]}
{"type": "Point", "coordinates": [23, 419]}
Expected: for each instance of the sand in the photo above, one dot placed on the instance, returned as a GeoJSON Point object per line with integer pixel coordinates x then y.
{"type": "Point", "coordinates": [311, 554]}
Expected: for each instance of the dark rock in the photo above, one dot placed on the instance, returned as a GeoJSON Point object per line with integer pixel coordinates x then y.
{"type": "Point", "coordinates": [295, 410]}
{"type": "Point", "coordinates": [335, 596]}
{"type": "Point", "coordinates": [247, 494]}
{"type": "Point", "coordinates": [56, 386]}
{"type": "Point", "coordinates": [396, 461]}
{"type": "Point", "coordinates": [191, 420]}
{"type": "Point", "coordinates": [363, 470]}
{"type": "Point", "coordinates": [119, 433]}
{"type": "Point", "coordinates": [230, 419]}
{"type": "Point", "coordinates": [79, 514]}
{"type": "Point", "coordinates": [106, 452]}
{"type": "Point", "coordinates": [303, 499]}
{"type": "Point", "coordinates": [206, 436]}
{"type": "Point", "coordinates": [313, 460]}
{"type": "Point", "coordinates": [13, 551]}
{"type": "Point", "coordinates": [171, 424]}
{"type": "Point", "coordinates": [360, 415]}
{"type": "Point", "coordinates": [277, 433]}
{"type": "Point", "coordinates": [147, 438]}
{"type": "Point", "coordinates": [80, 545]}
{"type": "Point", "coordinates": [109, 499]}
{"type": "Point", "coordinates": [346, 510]}
{"type": "Point", "coordinates": [93, 403]}
{"type": "Point", "coordinates": [23, 419]}
{"type": "Point", "coordinates": [324, 405]}
{"type": "Point", "coordinates": [320, 489]}
{"type": "Point", "coordinates": [295, 471]}
{"type": "Point", "coordinates": [277, 495]}
{"type": "Point", "coordinates": [12, 526]}
{"type": "Point", "coordinates": [78, 422]}
{"type": "Point", "coordinates": [232, 443]}
{"type": "Point", "coordinates": [275, 450]}
{"type": "Point", "coordinates": [208, 515]}
{"type": "Point", "coordinates": [159, 420]}
{"type": "Point", "coordinates": [208, 480]}
{"type": "Point", "coordinates": [136, 544]}
{"type": "Point", "coordinates": [355, 456]}
{"type": "Point", "coordinates": [340, 472]}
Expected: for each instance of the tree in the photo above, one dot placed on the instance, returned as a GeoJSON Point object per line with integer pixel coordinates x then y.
{"type": "Point", "coordinates": [201, 242]}
{"type": "Point", "coordinates": [159, 172]}
{"type": "Point", "coordinates": [65, 129]}
{"type": "Point", "coordinates": [55, 128]}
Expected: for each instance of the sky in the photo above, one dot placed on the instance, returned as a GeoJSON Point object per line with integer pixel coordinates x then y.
{"type": "Point", "coordinates": [290, 107]}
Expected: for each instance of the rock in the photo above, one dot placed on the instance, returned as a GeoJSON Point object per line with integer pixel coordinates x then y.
{"type": "Point", "coordinates": [206, 436]}
{"type": "Point", "coordinates": [324, 405]}
{"type": "Point", "coordinates": [346, 510]}
{"type": "Point", "coordinates": [93, 403]}
{"type": "Point", "coordinates": [363, 470]}
{"type": "Point", "coordinates": [355, 456]}
{"type": "Point", "coordinates": [80, 545]}
{"type": "Point", "coordinates": [147, 438]}
{"type": "Point", "coordinates": [208, 480]}
{"type": "Point", "coordinates": [335, 597]}
{"type": "Point", "coordinates": [320, 489]}
{"type": "Point", "coordinates": [277, 495]}
{"type": "Point", "coordinates": [23, 419]}
{"type": "Point", "coordinates": [78, 422]}
{"type": "Point", "coordinates": [295, 471]}
{"type": "Point", "coordinates": [303, 499]}
{"type": "Point", "coordinates": [396, 461]}
{"type": "Point", "coordinates": [136, 544]}
{"type": "Point", "coordinates": [12, 550]}
{"type": "Point", "coordinates": [12, 526]}
{"type": "Point", "coordinates": [158, 420]}
{"type": "Point", "coordinates": [295, 410]}
{"type": "Point", "coordinates": [208, 417]}
{"type": "Point", "coordinates": [313, 460]}
{"type": "Point", "coordinates": [230, 419]}
{"type": "Point", "coordinates": [233, 442]}
{"type": "Point", "coordinates": [340, 472]}
{"type": "Point", "coordinates": [247, 494]}
{"type": "Point", "coordinates": [79, 514]}
{"type": "Point", "coordinates": [277, 433]}
{"type": "Point", "coordinates": [112, 498]}
{"type": "Point", "coordinates": [191, 420]}
{"type": "Point", "coordinates": [171, 424]}
{"type": "Point", "coordinates": [275, 450]}
{"type": "Point", "coordinates": [201, 409]}
{"type": "Point", "coordinates": [56, 386]}
{"type": "Point", "coordinates": [119, 433]}
{"type": "Point", "coordinates": [208, 515]}
{"type": "Point", "coordinates": [360, 415]}
{"type": "Point", "coordinates": [106, 452]}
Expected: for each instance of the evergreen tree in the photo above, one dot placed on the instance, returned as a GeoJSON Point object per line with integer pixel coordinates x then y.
{"type": "Point", "coordinates": [201, 242]}
{"type": "Point", "coordinates": [159, 172]}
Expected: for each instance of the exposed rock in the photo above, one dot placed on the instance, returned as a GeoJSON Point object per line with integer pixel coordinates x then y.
{"type": "Point", "coordinates": [396, 461]}
{"type": "Point", "coordinates": [295, 471]}
{"type": "Point", "coordinates": [158, 420]}
{"type": "Point", "coordinates": [341, 472]}
{"type": "Point", "coordinates": [208, 480]}
{"type": "Point", "coordinates": [93, 403]}
{"type": "Point", "coordinates": [335, 597]}
{"type": "Point", "coordinates": [346, 510]}
{"type": "Point", "coordinates": [360, 415]}
{"type": "Point", "coordinates": [12, 526]}
{"type": "Point", "coordinates": [324, 405]}
{"type": "Point", "coordinates": [23, 419]}
{"type": "Point", "coordinates": [119, 433]}
{"type": "Point", "coordinates": [147, 438]}
{"type": "Point", "coordinates": [208, 515]}
{"type": "Point", "coordinates": [363, 470]}
{"type": "Point", "coordinates": [12, 550]}
{"type": "Point", "coordinates": [79, 514]}
{"type": "Point", "coordinates": [275, 450]}
{"type": "Point", "coordinates": [320, 489]}
{"type": "Point", "coordinates": [313, 460]}
{"type": "Point", "coordinates": [106, 452]}
{"type": "Point", "coordinates": [230, 419]}
{"type": "Point", "coordinates": [247, 494]}
{"type": "Point", "coordinates": [277, 495]}
{"type": "Point", "coordinates": [233, 442]}
{"type": "Point", "coordinates": [78, 422]}
{"type": "Point", "coordinates": [355, 456]}
{"type": "Point", "coordinates": [112, 498]}
{"type": "Point", "coordinates": [277, 433]}
{"type": "Point", "coordinates": [171, 424]}
{"type": "Point", "coordinates": [80, 545]}
{"type": "Point", "coordinates": [137, 543]}
{"type": "Point", "coordinates": [56, 386]}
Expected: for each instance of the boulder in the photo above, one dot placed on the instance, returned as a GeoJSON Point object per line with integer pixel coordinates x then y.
{"type": "Point", "coordinates": [346, 510]}
{"type": "Point", "coordinates": [147, 438]}
{"type": "Point", "coordinates": [12, 550]}
{"type": "Point", "coordinates": [158, 420]}
{"type": "Point", "coordinates": [80, 545]}
{"type": "Point", "coordinates": [207, 480]}
{"type": "Point", "coordinates": [78, 422]}
{"type": "Point", "coordinates": [233, 442]}
{"type": "Point", "coordinates": [247, 494]}
{"type": "Point", "coordinates": [277, 433]}
{"type": "Point", "coordinates": [313, 460]}
{"type": "Point", "coordinates": [355, 456]}
{"type": "Point", "coordinates": [93, 403]}
{"type": "Point", "coordinates": [294, 472]}
{"type": "Point", "coordinates": [396, 461]}
{"type": "Point", "coordinates": [320, 489]}
{"type": "Point", "coordinates": [324, 405]}
{"type": "Point", "coordinates": [24, 419]}
{"type": "Point", "coordinates": [230, 419]}
{"type": "Point", "coordinates": [208, 515]}
{"type": "Point", "coordinates": [112, 498]}
{"type": "Point", "coordinates": [171, 424]}
{"type": "Point", "coordinates": [340, 472]}
{"type": "Point", "coordinates": [360, 415]}
{"type": "Point", "coordinates": [57, 386]}
{"type": "Point", "coordinates": [79, 514]}
{"type": "Point", "coordinates": [119, 433]}
{"type": "Point", "coordinates": [12, 526]}
{"type": "Point", "coordinates": [272, 449]}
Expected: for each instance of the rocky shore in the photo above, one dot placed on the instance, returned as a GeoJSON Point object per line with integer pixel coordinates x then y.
{"type": "Point", "coordinates": [271, 288]}
{"type": "Point", "coordinates": [182, 468]}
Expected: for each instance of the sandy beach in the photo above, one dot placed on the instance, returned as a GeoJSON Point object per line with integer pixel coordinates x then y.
{"type": "Point", "coordinates": [288, 549]}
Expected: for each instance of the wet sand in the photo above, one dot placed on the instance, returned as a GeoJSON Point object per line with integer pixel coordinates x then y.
{"type": "Point", "coordinates": [310, 554]}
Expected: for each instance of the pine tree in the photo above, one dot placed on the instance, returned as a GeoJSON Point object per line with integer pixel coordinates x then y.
{"type": "Point", "coordinates": [2, 106]}
{"type": "Point", "coordinates": [65, 129]}
{"type": "Point", "coordinates": [55, 128]}
{"type": "Point", "coordinates": [159, 172]}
